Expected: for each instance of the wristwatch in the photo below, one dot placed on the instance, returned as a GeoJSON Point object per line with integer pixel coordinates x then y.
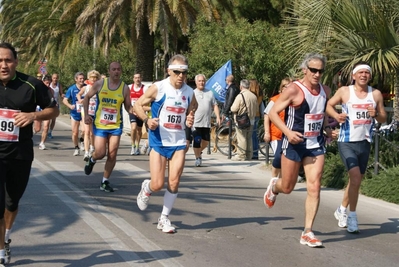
{"type": "Point", "coordinates": [145, 123]}
{"type": "Point", "coordinates": [327, 127]}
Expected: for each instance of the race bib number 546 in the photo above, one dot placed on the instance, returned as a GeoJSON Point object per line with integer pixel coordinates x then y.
{"type": "Point", "coordinates": [8, 131]}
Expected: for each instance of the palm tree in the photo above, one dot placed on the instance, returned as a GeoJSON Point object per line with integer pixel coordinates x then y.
{"type": "Point", "coordinates": [137, 21]}
{"type": "Point", "coordinates": [348, 31]}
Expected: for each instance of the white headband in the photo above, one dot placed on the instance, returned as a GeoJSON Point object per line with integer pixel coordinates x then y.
{"type": "Point", "coordinates": [363, 66]}
{"type": "Point", "coordinates": [176, 67]}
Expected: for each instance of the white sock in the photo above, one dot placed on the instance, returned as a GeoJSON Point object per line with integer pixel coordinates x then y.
{"type": "Point", "coordinates": [147, 189]}
{"type": "Point", "coordinates": [105, 179]}
{"type": "Point", "coordinates": [352, 214]}
{"type": "Point", "coordinates": [7, 235]}
{"type": "Point", "coordinates": [91, 147]}
{"type": "Point", "coordinates": [342, 209]}
{"type": "Point", "coordinates": [168, 201]}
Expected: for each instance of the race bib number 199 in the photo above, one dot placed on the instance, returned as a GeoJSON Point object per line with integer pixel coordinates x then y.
{"type": "Point", "coordinates": [8, 131]}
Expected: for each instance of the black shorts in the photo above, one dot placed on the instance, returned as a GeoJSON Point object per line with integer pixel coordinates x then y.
{"type": "Point", "coordinates": [14, 177]}
{"type": "Point", "coordinates": [355, 154]}
{"type": "Point", "coordinates": [134, 119]}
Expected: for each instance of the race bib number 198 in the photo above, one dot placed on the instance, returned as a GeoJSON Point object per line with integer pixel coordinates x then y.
{"type": "Point", "coordinates": [8, 131]}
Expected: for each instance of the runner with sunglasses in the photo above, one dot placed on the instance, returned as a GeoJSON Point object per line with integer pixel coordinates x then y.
{"type": "Point", "coordinates": [173, 105]}
{"type": "Point", "coordinates": [304, 102]}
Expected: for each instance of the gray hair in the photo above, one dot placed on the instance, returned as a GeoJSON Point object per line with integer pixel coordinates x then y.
{"type": "Point", "coordinates": [199, 75]}
{"type": "Point", "coordinates": [244, 83]}
{"type": "Point", "coordinates": [312, 56]}
{"type": "Point", "coordinates": [79, 73]}
{"type": "Point", "coordinates": [180, 58]}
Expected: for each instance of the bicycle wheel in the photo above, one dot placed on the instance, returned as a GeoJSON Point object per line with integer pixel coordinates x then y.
{"type": "Point", "coordinates": [222, 140]}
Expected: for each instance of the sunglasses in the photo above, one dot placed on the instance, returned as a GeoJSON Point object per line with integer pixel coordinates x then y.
{"type": "Point", "coordinates": [178, 72]}
{"type": "Point", "coordinates": [313, 70]}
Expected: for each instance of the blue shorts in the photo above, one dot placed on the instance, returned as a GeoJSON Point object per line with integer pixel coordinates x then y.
{"type": "Point", "coordinates": [168, 151]}
{"type": "Point", "coordinates": [76, 116]}
{"type": "Point", "coordinates": [355, 154]}
{"type": "Point", "coordinates": [106, 133]}
{"type": "Point", "coordinates": [277, 154]}
{"type": "Point", "coordinates": [299, 151]}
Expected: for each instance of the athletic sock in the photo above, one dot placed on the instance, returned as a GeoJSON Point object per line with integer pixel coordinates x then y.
{"type": "Point", "coordinates": [105, 179]}
{"type": "Point", "coordinates": [168, 201]}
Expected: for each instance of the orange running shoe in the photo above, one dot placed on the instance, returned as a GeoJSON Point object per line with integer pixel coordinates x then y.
{"type": "Point", "coordinates": [269, 197]}
{"type": "Point", "coordinates": [310, 240]}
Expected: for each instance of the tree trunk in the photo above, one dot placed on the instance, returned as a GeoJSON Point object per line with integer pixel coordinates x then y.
{"type": "Point", "coordinates": [396, 103]}
{"type": "Point", "coordinates": [145, 52]}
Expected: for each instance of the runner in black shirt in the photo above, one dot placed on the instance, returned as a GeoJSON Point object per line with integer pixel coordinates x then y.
{"type": "Point", "coordinates": [19, 96]}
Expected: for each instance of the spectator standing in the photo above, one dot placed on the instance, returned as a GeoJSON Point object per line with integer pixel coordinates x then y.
{"type": "Point", "coordinates": [361, 105]}
{"type": "Point", "coordinates": [231, 92]}
{"type": "Point", "coordinates": [254, 87]}
{"type": "Point", "coordinates": [245, 102]}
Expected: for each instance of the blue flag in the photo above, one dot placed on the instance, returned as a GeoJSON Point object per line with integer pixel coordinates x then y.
{"type": "Point", "coordinates": [217, 83]}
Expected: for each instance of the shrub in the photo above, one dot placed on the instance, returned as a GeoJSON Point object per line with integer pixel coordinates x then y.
{"type": "Point", "coordinates": [334, 174]}
{"type": "Point", "coordinates": [383, 186]}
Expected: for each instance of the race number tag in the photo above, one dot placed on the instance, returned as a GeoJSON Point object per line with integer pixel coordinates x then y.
{"type": "Point", "coordinates": [108, 116]}
{"type": "Point", "coordinates": [79, 107]}
{"type": "Point", "coordinates": [360, 114]}
{"type": "Point", "coordinates": [313, 125]}
{"type": "Point", "coordinates": [8, 131]}
{"type": "Point", "coordinates": [92, 107]}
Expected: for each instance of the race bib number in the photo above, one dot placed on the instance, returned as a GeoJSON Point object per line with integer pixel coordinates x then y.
{"type": "Point", "coordinates": [8, 131]}
{"type": "Point", "coordinates": [313, 125]}
{"type": "Point", "coordinates": [174, 122]}
{"type": "Point", "coordinates": [79, 107]}
{"type": "Point", "coordinates": [108, 116]}
{"type": "Point", "coordinates": [360, 114]}
{"type": "Point", "coordinates": [92, 107]}
{"type": "Point", "coordinates": [133, 100]}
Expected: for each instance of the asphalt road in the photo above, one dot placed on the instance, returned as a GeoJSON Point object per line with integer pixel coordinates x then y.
{"type": "Point", "coordinates": [66, 220]}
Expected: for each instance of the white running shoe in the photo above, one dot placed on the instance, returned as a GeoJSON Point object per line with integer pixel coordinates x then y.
{"type": "Point", "coordinates": [137, 151]}
{"type": "Point", "coordinates": [133, 150]}
{"type": "Point", "coordinates": [144, 149]}
{"type": "Point", "coordinates": [341, 217]}
{"type": "Point", "coordinates": [310, 240]}
{"type": "Point", "coordinates": [198, 162]}
{"type": "Point", "coordinates": [352, 225]}
{"type": "Point", "coordinates": [165, 225]}
{"type": "Point", "coordinates": [86, 156]}
{"type": "Point", "coordinates": [76, 152]}
{"type": "Point", "coordinates": [42, 146]}
{"type": "Point", "coordinates": [269, 198]}
{"type": "Point", "coordinates": [143, 198]}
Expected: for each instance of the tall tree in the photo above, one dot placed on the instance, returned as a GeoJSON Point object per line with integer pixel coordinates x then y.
{"type": "Point", "coordinates": [348, 31]}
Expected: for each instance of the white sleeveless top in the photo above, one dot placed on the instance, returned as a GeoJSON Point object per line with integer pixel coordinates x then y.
{"type": "Point", "coordinates": [56, 91]}
{"type": "Point", "coordinates": [358, 125]}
